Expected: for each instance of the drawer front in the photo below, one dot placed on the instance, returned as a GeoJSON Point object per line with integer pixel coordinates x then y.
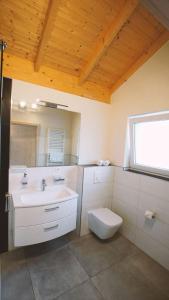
{"type": "Point", "coordinates": [27, 216]}
{"type": "Point", "coordinates": [41, 233]}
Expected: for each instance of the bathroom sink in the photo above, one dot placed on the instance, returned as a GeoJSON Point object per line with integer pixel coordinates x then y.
{"type": "Point", "coordinates": [51, 195]}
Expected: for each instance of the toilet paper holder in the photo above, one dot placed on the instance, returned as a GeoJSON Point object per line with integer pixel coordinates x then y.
{"type": "Point", "coordinates": [149, 214]}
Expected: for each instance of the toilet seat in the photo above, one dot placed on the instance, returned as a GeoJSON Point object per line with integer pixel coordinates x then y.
{"type": "Point", "coordinates": [103, 222]}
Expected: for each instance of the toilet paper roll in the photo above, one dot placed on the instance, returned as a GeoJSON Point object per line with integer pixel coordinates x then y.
{"type": "Point", "coordinates": [149, 214]}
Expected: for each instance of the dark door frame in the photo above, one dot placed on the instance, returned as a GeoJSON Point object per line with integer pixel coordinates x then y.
{"type": "Point", "coordinates": [5, 109]}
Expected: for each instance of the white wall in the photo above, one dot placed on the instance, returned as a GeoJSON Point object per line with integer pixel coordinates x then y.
{"type": "Point", "coordinates": [146, 91]}
{"type": "Point", "coordinates": [95, 118]}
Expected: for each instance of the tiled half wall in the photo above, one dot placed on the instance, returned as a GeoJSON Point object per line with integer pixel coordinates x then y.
{"type": "Point", "coordinates": [133, 194]}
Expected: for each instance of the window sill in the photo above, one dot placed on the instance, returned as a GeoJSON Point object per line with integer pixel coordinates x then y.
{"type": "Point", "coordinates": [147, 174]}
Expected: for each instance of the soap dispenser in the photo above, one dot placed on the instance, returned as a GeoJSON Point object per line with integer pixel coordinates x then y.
{"type": "Point", "coordinates": [24, 180]}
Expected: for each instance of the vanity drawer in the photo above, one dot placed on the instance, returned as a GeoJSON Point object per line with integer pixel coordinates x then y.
{"type": "Point", "coordinates": [41, 233]}
{"type": "Point", "coordinates": [26, 216]}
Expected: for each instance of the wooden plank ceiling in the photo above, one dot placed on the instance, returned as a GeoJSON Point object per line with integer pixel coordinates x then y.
{"type": "Point", "coordinates": [84, 47]}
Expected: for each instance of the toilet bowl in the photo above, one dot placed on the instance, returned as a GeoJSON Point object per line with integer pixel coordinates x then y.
{"type": "Point", "coordinates": [103, 222]}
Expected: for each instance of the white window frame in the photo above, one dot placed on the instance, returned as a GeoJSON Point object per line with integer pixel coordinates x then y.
{"type": "Point", "coordinates": [144, 119]}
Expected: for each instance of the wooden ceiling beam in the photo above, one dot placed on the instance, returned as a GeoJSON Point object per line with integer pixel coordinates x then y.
{"type": "Point", "coordinates": [46, 32]}
{"type": "Point", "coordinates": [106, 38]}
{"type": "Point", "coordinates": [155, 46]}
{"type": "Point", "coordinates": [23, 69]}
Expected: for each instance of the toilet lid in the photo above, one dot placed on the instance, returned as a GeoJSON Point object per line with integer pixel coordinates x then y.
{"type": "Point", "coordinates": [106, 216]}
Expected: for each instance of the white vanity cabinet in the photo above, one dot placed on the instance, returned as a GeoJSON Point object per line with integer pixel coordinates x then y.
{"type": "Point", "coordinates": [36, 224]}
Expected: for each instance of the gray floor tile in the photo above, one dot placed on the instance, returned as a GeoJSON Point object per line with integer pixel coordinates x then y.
{"type": "Point", "coordinates": [45, 260]}
{"type": "Point", "coordinates": [85, 291]}
{"type": "Point", "coordinates": [94, 255]}
{"type": "Point", "coordinates": [124, 282]}
{"type": "Point", "coordinates": [152, 271]}
{"type": "Point", "coordinates": [47, 247]}
{"type": "Point", "coordinates": [55, 270]}
{"type": "Point", "coordinates": [124, 246]}
{"type": "Point", "coordinates": [55, 273]}
{"type": "Point", "coordinates": [16, 281]}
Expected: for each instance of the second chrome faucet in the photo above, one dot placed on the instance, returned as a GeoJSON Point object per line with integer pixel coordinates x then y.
{"type": "Point", "coordinates": [43, 185]}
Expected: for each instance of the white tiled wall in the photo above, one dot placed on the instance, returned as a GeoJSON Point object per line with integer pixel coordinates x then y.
{"type": "Point", "coordinates": [35, 176]}
{"type": "Point", "coordinates": [97, 192]}
{"type": "Point", "coordinates": [133, 194]}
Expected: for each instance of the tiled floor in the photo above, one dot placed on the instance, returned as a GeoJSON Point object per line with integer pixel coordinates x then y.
{"type": "Point", "coordinates": [82, 269]}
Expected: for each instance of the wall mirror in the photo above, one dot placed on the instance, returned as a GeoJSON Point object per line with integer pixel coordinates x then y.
{"type": "Point", "coordinates": [43, 135]}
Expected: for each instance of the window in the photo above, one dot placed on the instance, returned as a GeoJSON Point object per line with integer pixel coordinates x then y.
{"type": "Point", "coordinates": [55, 146]}
{"type": "Point", "coordinates": [149, 143]}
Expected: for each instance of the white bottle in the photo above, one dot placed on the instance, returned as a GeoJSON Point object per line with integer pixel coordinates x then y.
{"type": "Point", "coordinates": [24, 180]}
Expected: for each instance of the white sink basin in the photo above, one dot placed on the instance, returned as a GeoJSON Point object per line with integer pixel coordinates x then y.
{"type": "Point", "coordinates": [51, 195]}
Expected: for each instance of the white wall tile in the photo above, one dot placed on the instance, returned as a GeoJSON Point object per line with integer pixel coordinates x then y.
{"type": "Point", "coordinates": [147, 244]}
{"type": "Point", "coordinates": [153, 248]}
{"type": "Point", "coordinates": [129, 231]}
{"type": "Point", "coordinates": [35, 176]}
{"type": "Point", "coordinates": [103, 174]}
{"type": "Point", "coordinates": [155, 228]}
{"type": "Point", "coordinates": [163, 258]}
{"type": "Point", "coordinates": [79, 188]}
{"type": "Point", "coordinates": [154, 186]}
{"type": "Point", "coordinates": [84, 223]}
{"type": "Point", "coordinates": [106, 174]}
{"type": "Point", "coordinates": [126, 178]}
{"type": "Point", "coordinates": [97, 202]}
{"type": "Point", "coordinates": [133, 194]}
{"type": "Point", "coordinates": [157, 204]}
{"type": "Point", "coordinates": [126, 194]}
{"type": "Point", "coordinates": [88, 175]}
{"type": "Point", "coordinates": [128, 213]}
{"type": "Point", "coordinates": [97, 191]}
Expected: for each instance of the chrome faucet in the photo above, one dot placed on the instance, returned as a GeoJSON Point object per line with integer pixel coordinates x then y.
{"type": "Point", "coordinates": [43, 185]}
{"type": "Point", "coordinates": [24, 180]}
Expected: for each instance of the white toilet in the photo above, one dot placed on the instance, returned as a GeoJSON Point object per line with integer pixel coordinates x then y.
{"type": "Point", "coordinates": [103, 222]}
